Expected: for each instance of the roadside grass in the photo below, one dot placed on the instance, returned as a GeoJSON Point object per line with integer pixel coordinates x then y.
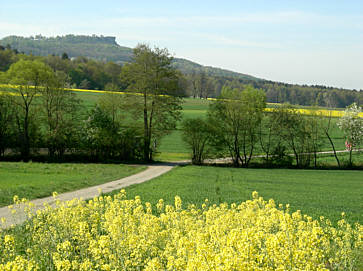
{"type": "Point", "coordinates": [316, 193]}
{"type": "Point", "coordinates": [329, 159]}
{"type": "Point", "coordinates": [36, 180]}
{"type": "Point", "coordinates": [324, 160]}
{"type": "Point", "coordinates": [172, 156]}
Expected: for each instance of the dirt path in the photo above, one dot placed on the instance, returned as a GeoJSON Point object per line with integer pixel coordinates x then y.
{"type": "Point", "coordinates": [229, 160]}
{"type": "Point", "coordinates": [151, 172]}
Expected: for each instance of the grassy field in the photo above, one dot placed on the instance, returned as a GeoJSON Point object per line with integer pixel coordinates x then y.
{"type": "Point", "coordinates": [315, 192]}
{"type": "Point", "coordinates": [36, 180]}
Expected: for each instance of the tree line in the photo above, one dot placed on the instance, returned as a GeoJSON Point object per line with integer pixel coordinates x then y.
{"type": "Point", "coordinates": [238, 127]}
{"type": "Point", "coordinates": [87, 73]}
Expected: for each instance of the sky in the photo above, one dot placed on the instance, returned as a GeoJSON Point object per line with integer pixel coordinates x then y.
{"type": "Point", "coordinates": [302, 42]}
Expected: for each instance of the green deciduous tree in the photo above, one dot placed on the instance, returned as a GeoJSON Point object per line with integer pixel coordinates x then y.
{"type": "Point", "coordinates": [236, 116]}
{"type": "Point", "coordinates": [197, 134]}
{"type": "Point", "coordinates": [60, 110]}
{"type": "Point", "coordinates": [104, 137]}
{"type": "Point", "coordinates": [29, 77]}
{"type": "Point", "coordinates": [293, 128]}
{"type": "Point", "coordinates": [7, 121]}
{"type": "Point", "coordinates": [314, 124]}
{"type": "Point", "coordinates": [270, 141]}
{"type": "Point", "coordinates": [151, 75]}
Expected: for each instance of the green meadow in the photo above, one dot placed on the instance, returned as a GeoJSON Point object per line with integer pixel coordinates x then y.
{"type": "Point", "coordinates": [315, 192]}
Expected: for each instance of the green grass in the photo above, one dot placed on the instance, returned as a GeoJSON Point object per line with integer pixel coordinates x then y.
{"type": "Point", "coordinates": [329, 159]}
{"type": "Point", "coordinates": [36, 180]}
{"type": "Point", "coordinates": [315, 192]}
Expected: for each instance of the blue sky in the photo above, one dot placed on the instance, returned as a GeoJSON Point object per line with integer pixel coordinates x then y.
{"type": "Point", "coordinates": [305, 42]}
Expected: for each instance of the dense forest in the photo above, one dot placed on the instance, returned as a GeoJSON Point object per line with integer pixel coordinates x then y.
{"type": "Point", "coordinates": [95, 62]}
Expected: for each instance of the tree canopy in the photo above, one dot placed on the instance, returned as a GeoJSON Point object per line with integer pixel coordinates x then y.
{"type": "Point", "coordinates": [151, 75]}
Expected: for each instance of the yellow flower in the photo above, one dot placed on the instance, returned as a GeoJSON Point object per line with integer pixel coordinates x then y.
{"type": "Point", "coordinates": [119, 234]}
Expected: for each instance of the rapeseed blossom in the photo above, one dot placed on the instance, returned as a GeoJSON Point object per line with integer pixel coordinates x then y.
{"type": "Point", "coordinates": [116, 233]}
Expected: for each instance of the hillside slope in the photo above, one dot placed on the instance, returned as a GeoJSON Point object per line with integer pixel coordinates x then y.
{"type": "Point", "coordinates": [101, 48]}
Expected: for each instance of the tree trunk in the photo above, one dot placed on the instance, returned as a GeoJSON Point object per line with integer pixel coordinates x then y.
{"type": "Point", "coordinates": [332, 144]}
{"type": "Point", "coordinates": [146, 132]}
{"type": "Point", "coordinates": [26, 145]}
{"type": "Point", "coordinates": [315, 158]}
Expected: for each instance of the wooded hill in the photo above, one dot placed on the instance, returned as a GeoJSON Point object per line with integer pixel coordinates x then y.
{"type": "Point", "coordinates": [103, 49]}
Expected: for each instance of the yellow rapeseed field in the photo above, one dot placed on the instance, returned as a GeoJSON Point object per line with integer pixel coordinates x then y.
{"type": "Point", "coordinates": [318, 112]}
{"type": "Point", "coordinates": [114, 233]}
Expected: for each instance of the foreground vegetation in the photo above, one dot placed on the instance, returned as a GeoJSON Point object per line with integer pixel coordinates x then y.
{"type": "Point", "coordinates": [318, 193]}
{"type": "Point", "coordinates": [36, 180]}
{"type": "Point", "coordinates": [119, 234]}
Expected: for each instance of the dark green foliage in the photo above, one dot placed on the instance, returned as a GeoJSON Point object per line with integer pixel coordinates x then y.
{"type": "Point", "coordinates": [277, 92]}
{"type": "Point", "coordinates": [97, 47]}
{"type": "Point", "coordinates": [197, 134]}
{"type": "Point", "coordinates": [270, 142]}
{"type": "Point", "coordinates": [65, 56]}
{"type": "Point", "coordinates": [301, 135]}
{"type": "Point", "coordinates": [7, 57]}
{"type": "Point", "coordinates": [30, 77]}
{"type": "Point", "coordinates": [104, 138]}
{"type": "Point", "coordinates": [294, 132]}
{"type": "Point", "coordinates": [235, 118]}
{"type": "Point", "coordinates": [60, 111]}
{"type": "Point", "coordinates": [7, 123]}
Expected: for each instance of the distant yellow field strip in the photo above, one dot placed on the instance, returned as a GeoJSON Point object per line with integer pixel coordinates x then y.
{"type": "Point", "coordinates": [85, 90]}
{"type": "Point", "coordinates": [318, 112]}
{"type": "Point", "coordinates": [321, 112]}
{"type": "Point", "coordinates": [101, 91]}
{"type": "Point", "coordinates": [73, 89]}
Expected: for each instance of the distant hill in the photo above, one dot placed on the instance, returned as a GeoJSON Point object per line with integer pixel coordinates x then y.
{"type": "Point", "coordinates": [104, 49]}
